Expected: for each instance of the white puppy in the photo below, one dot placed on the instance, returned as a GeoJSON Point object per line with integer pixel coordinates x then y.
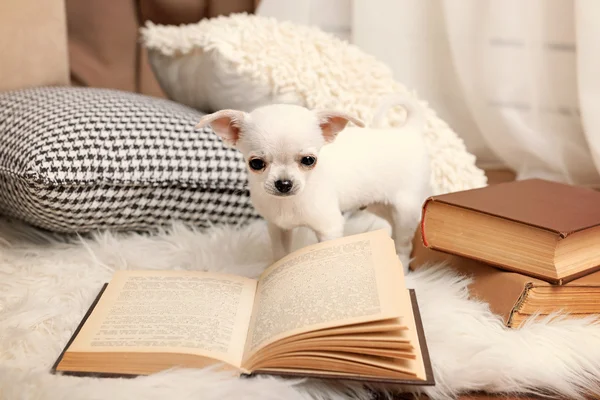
{"type": "Point", "coordinates": [306, 168]}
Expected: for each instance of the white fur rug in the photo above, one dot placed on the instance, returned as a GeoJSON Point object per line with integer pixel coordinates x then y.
{"type": "Point", "coordinates": [45, 289]}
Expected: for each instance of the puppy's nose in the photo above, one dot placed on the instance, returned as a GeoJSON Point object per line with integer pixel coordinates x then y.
{"type": "Point", "coordinates": [284, 186]}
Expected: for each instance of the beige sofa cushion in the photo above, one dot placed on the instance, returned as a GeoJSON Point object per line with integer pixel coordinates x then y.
{"type": "Point", "coordinates": [33, 44]}
{"type": "Point", "coordinates": [101, 48]}
{"type": "Point", "coordinates": [104, 49]}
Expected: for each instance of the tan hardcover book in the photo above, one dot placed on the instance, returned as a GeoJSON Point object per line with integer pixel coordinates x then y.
{"type": "Point", "coordinates": [516, 297]}
{"type": "Point", "coordinates": [337, 309]}
{"type": "Point", "coordinates": [543, 229]}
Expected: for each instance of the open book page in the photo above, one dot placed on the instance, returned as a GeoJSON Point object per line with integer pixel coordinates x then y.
{"type": "Point", "coordinates": [353, 280]}
{"type": "Point", "coordinates": [190, 312]}
{"type": "Point", "coordinates": [372, 329]}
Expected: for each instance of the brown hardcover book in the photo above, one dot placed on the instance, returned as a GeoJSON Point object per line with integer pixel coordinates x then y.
{"type": "Point", "coordinates": [338, 309]}
{"type": "Point", "coordinates": [516, 297]}
{"type": "Point", "coordinates": [543, 229]}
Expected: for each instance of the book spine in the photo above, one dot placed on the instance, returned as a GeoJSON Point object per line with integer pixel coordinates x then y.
{"type": "Point", "coordinates": [423, 213]}
{"type": "Point", "coordinates": [518, 305]}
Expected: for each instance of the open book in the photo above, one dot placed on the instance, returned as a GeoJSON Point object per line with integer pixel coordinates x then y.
{"type": "Point", "coordinates": [337, 309]}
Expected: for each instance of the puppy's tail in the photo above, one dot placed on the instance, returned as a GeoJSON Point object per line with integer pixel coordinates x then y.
{"type": "Point", "coordinates": [415, 118]}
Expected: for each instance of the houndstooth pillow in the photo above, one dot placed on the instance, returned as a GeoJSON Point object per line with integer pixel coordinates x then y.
{"type": "Point", "coordinates": [81, 159]}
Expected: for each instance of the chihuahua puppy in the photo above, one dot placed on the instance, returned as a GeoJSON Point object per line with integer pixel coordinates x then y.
{"type": "Point", "coordinates": [306, 168]}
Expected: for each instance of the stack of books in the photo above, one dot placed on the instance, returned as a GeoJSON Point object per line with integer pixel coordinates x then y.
{"type": "Point", "coordinates": [532, 247]}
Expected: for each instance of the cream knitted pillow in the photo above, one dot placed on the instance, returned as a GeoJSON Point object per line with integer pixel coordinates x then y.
{"type": "Point", "coordinates": [243, 61]}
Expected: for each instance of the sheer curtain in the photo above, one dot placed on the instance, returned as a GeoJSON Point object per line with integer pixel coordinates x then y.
{"type": "Point", "coordinates": [518, 80]}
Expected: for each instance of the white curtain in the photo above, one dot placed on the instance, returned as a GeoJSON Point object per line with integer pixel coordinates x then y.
{"type": "Point", "coordinates": [519, 80]}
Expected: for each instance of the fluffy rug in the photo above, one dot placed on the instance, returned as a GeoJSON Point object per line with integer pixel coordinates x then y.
{"type": "Point", "coordinates": [47, 285]}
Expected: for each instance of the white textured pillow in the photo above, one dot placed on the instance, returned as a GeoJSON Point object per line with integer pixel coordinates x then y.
{"type": "Point", "coordinates": [244, 61]}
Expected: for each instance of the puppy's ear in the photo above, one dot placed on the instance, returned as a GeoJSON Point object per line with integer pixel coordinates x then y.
{"type": "Point", "coordinates": [225, 123]}
{"type": "Point", "coordinates": [333, 122]}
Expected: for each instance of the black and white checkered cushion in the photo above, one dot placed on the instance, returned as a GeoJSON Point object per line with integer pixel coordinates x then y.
{"type": "Point", "coordinates": [81, 159]}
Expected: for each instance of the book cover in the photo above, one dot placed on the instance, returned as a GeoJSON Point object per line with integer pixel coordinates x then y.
{"type": "Point", "coordinates": [556, 207]}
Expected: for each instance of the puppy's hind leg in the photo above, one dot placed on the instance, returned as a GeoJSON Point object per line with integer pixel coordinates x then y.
{"type": "Point", "coordinates": [383, 211]}
{"type": "Point", "coordinates": [405, 214]}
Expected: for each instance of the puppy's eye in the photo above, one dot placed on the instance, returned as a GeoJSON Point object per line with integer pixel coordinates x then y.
{"type": "Point", "coordinates": [256, 164]}
{"type": "Point", "coordinates": [308, 161]}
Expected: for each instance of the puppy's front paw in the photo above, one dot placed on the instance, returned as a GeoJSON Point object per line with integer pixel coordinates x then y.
{"type": "Point", "coordinates": [278, 255]}
{"type": "Point", "coordinates": [405, 260]}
